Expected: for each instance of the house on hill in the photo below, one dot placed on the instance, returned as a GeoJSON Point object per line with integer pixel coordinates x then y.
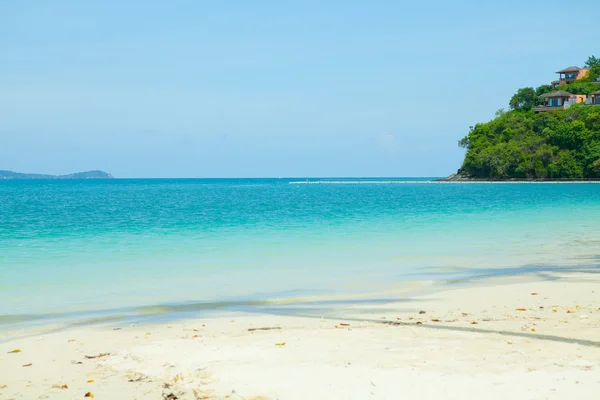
{"type": "Point", "coordinates": [569, 75]}
{"type": "Point", "coordinates": [594, 98]}
{"type": "Point", "coordinates": [559, 101]}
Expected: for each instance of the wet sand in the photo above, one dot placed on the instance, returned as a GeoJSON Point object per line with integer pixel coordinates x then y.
{"type": "Point", "coordinates": [532, 337]}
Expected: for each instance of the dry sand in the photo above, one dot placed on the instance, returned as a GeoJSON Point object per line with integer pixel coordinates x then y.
{"type": "Point", "coordinates": [527, 339]}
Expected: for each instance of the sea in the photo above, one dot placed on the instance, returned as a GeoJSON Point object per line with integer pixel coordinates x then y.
{"type": "Point", "coordinates": [77, 251]}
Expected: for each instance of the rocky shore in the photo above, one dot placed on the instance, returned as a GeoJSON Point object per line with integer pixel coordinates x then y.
{"type": "Point", "coordinates": [461, 177]}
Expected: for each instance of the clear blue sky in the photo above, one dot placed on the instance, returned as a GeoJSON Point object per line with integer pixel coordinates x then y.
{"type": "Point", "coordinates": [269, 88]}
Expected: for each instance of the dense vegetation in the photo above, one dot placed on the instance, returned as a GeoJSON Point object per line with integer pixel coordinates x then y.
{"type": "Point", "coordinates": [518, 144]}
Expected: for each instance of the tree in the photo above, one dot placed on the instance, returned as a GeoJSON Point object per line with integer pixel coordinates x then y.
{"type": "Point", "coordinates": [524, 100]}
{"type": "Point", "coordinates": [567, 165]}
{"type": "Point", "coordinates": [592, 122]}
{"type": "Point", "coordinates": [540, 90]}
{"type": "Point", "coordinates": [592, 62]}
{"type": "Point", "coordinates": [596, 168]}
{"type": "Point", "coordinates": [581, 86]}
{"type": "Point", "coordinates": [593, 75]}
{"type": "Point", "coordinates": [561, 144]}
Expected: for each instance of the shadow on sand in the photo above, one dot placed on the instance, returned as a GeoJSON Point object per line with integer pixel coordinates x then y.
{"type": "Point", "coordinates": [334, 309]}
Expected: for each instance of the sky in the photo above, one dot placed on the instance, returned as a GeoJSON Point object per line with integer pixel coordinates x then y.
{"type": "Point", "coordinates": [269, 88]}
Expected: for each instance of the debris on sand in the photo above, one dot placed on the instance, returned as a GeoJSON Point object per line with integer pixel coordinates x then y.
{"type": "Point", "coordinates": [100, 355]}
{"type": "Point", "coordinates": [60, 387]}
{"type": "Point", "coordinates": [263, 329]}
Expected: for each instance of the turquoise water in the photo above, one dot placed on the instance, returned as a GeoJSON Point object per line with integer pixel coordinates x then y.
{"type": "Point", "coordinates": [81, 246]}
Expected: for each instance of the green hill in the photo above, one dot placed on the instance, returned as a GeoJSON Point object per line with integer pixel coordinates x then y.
{"type": "Point", "coordinates": [521, 144]}
{"type": "Point", "coordinates": [77, 175]}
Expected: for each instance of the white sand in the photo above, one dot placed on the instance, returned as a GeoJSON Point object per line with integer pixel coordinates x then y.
{"type": "Point", "coordinates": [507, 354]}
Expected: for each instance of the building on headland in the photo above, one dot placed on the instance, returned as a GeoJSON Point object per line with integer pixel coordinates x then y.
{"type": "Point", "coordinates": [559, 101]}
{"type": "Point", "coordinates": [593, 98]}
{"type": "Point", "coordinates": [569, 75]}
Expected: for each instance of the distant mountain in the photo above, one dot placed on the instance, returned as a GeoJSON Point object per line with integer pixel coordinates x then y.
{"type": "Point", "coordinates": [77, 175]}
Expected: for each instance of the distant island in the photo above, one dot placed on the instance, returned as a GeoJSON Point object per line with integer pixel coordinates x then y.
{"type": "Point", "coordinates": [77, 175]}
{"type": "Point", "coordinates": [551, 132]}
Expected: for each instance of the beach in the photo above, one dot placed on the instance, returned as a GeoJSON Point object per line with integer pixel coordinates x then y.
{"type": "Point", "coordinates": [528, 337]}
{"type": "Point", "coordinates": [262, 289]}
{"type": "Point", "coordinates": [275, 202]}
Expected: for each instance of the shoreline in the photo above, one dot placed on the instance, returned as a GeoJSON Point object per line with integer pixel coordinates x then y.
{"type": "Point", "coordinates": [31, 325]}
{"type": "Point", "coordinates": [15, 326]}
{"type": "Point", "coordinates": [532, 336]}
{"type": "Point", "coordinates": [461, 178]}
{"type": "Point", "coordinates": [443, 181]}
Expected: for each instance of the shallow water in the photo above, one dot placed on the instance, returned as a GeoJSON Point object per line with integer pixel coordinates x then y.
{"type": "Point", "coordinates": [73, 247]}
